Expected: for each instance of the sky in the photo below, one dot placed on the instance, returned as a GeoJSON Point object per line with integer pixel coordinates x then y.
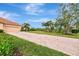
{"type": "Point", "coordinates": [32, 13]}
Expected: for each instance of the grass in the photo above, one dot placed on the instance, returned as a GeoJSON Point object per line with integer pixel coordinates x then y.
{"type": "Point", "coordinates": [28, 48]}
{"type": "Point", "coordinates": [56, 34]}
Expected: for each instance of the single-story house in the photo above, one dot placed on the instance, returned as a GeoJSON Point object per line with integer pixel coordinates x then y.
{"type": "Point", "coordinates": [9, 26]}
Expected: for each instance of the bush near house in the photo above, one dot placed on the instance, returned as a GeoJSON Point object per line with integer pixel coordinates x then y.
{"type": "Point", "coordinates": [1, 31]}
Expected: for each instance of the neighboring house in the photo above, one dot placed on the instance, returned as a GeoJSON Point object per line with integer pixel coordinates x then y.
{"type": "Point", "coordinates": [9, 26]}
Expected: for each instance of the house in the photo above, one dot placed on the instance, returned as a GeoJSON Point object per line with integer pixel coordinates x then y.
{"type": "Point", "coordinates": [9, 26]}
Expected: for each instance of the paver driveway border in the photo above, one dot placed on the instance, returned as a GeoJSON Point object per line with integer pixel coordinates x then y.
{"type": "Point", "coordinates": [66, 45]}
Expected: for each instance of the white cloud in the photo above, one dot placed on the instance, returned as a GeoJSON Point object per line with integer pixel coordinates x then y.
{"type": "Point", "coordinates": [34, 9]}
{"type": "Point", "coordinates": [8, 15]}
{"type": "Point", "coordinates": [37, 9]}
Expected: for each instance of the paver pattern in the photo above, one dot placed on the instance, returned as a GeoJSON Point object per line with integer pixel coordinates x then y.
{"type": "Point", "coordinates": [66, 45]}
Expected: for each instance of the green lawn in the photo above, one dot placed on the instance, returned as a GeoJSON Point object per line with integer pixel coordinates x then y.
{"type": "Point", "coordinates": [56, 34]}
{"type": "Point", "coordinates": [26, 48]}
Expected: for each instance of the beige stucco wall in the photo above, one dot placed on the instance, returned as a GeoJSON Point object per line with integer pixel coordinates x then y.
{"type": "Point", "coordinates": [1, 26]}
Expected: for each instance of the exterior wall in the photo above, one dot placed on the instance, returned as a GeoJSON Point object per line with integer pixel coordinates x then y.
{"type": "Point", "coordinates": [12, 28]}
{"type": "Point", "coordinates": [1, 26]}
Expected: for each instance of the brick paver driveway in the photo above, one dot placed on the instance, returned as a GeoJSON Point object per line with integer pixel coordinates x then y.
{"type": "Point", "coordinates": [67, 45]}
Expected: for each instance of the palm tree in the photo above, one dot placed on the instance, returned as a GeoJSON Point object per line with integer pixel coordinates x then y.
{"type": "Point", "coordinates": [25, 27]}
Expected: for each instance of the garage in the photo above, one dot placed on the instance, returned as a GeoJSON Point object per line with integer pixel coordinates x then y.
{"type": "Point", "coordinates": [10, 28]}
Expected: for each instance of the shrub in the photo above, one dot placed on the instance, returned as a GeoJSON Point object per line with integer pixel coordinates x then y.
{"type": "Point", "coordinates": [6, 47]}
{"type": "Point", "coordinates": [37, 29]}
{"type": "Point", "coordinates": [1, 31]}
{"type": "Point", "coordinates": [40, 29]}
{"type": "Point", "coordinates": [75, 31]}
{"type": "Point", "coordinates": [32, 29]}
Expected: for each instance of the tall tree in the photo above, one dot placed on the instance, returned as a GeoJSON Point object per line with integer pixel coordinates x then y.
{"type": "Point", "coordinates": [59, 25]}
{"type": "Point", "coordinates": [68, 17]}
{"type": "Point", "coordinates": [75, 8]}
{"type": "Point", "coordinates": [25, 27]}
{"type": "Point", "coordinates": [49, 25]}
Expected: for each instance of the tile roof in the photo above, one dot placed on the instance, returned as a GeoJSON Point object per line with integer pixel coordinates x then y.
{"type": "Point", "coordinates": [5, 21]}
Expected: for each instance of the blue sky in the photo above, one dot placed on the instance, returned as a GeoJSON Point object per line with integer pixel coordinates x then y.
{"type": "Point", "coordinates": [32, 13]}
